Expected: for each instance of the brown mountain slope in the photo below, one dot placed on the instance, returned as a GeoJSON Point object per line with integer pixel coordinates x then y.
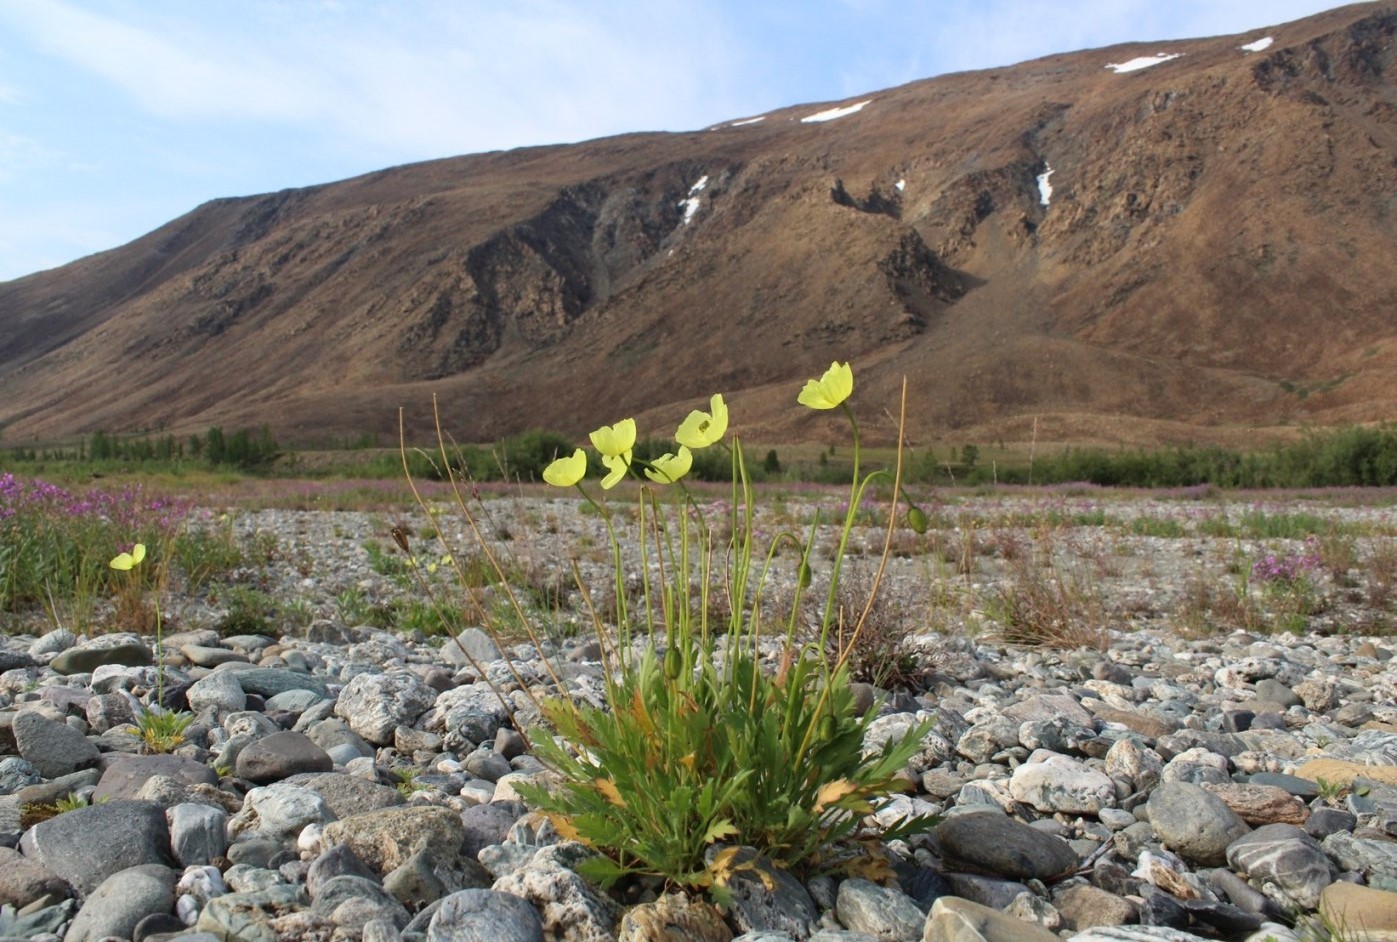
{"type": "Point", "coordinates": [1219, 252]}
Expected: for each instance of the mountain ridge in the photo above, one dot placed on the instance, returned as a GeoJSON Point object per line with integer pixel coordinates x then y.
{"type": "Point", "coordinates": [1214, 262]}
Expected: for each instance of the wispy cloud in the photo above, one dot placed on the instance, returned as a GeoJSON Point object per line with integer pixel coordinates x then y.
{"type": "Point", "coordinates": [432, 77]}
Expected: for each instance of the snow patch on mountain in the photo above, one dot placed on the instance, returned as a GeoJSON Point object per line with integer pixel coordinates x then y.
{"type": "Point", "coordinates": [1045, 189]}
{"type": "Point", "coordinates": [691, 205]}
{"type": "Point", "coordinates": [1142, 62]}
{"type": "Point", "coordinates": [830, 114]}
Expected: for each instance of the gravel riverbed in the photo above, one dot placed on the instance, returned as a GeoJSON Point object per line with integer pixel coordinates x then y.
{"type": "Point", "coordinates": [1183, 778]}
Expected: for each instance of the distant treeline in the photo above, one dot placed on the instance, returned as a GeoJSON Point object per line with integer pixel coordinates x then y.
{"type": "Point", "coordinates": [246, 449]}
{"type": "Point", "coordinates": [1351, 457]}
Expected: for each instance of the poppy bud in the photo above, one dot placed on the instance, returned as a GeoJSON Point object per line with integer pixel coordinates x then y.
{"type": "Point", "coordinates": [674, 664]}
{"type": "Point", "coordinates": [916, 519]}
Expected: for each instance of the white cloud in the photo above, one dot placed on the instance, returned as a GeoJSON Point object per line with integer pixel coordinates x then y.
{"type": "Point", "coordinates": [430, 79]}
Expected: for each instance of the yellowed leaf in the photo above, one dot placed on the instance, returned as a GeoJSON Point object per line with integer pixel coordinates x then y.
{"type": "Point", "coordinates": [831, 792]}
{"type": "Point", "coordinates": [564, 826]}
{"type": "Point", "coordinates": [609, 791]}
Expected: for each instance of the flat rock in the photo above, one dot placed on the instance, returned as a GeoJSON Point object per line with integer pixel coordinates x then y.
{"type": "Point", "coordinates": [125, 777]}
{"type": "Point", "coordinates": [1359, 908]}
{"type": "Point", "coordinates": [882, 912]}
{"type": "Point", "coordinates": [86, 658]}
{"type": "Point", "coordinates": [960, 920]}
{"type": "Point", "coordinates": [132, 833]}
{"type": "Point", "coordinates": [346, 795]}
{"type": "Point", "coordinates": [993, 842]}
{"type": "Point", "coordinates": [1260, 804]}
{"type": "Point", "coordinates": [1343, 772]}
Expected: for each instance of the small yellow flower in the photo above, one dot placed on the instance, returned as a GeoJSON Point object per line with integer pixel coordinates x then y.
{"type": "Point", "coordinates": [829, 390]}
{"type": "Point", "coordinates": [617, 465]}
{"type": "Point", "coordinates": [615, 440]}
{"type": "Point", "coordinates": [702, 429]}
{"type": "Point", "coordinates": [129, 561]}
{"type": "Point", "coordinates": [667, 468]}
{"type": "Point", "coordinates": [565, 472]}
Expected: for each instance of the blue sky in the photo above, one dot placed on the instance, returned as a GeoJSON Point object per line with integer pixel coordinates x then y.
{"type": "Point", "coordinates": [117, 116]}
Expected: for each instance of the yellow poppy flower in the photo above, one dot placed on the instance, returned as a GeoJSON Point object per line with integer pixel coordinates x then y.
{"type": "Point", "coordinates": [128, 561]}
{"type": "Point", "coordinates": [615, 440]}
{"type": "Point", "coordinates": [616, 469]}
{"type": "Point", "coordinates": [702, 429]}
{"type": "Point", "coordinates": [667, 468]}
{"type": "Point", "coordinates": [829, 390]}
{"type": "Point", "coordinates": [565, 472]}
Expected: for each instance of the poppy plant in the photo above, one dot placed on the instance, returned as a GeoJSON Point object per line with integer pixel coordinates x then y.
{"type": "Point", "coordinates": [830, 390]}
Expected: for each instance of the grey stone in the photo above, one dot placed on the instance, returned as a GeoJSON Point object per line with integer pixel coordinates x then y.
{"type": "Point", "coordinates": [110, 650]}
{"type": "Point", "coordinates": [331, 733]}
{"type": "Point", "coordinates": [994, 892]}
{"type": "Point", "coordinates": [251, 917]}
{"type": "Point", "coordinates": [1283, 857]}
{"type": "Point", "coordinates": [1373, 858]}
{"type": "Point", "coordinates": [53, 748]}
{"type": "Point", "coordinates": [990, 841]}
{"type": "Point", "coordinates": [270, 681]}
{"type": "Point", "coordinates": [1193, 822]}
{"type": "Point", "coordinates": [415, 883]}
{"type": "Point", "coordinates": [765, 897]}
{"type": "Point", "coordinates": [16, 773]}
{"type": "Point", "coordinates": [346, 795]}
{"type": "Point", "coordinates": [208, 656]}
{"type": "Point", "coordinates": [133, 833]}
{"type": "Point", "coordinates": [1083, 906]}
{"type": "Point", "coordinates": [1062, 784]}
{"type": "Point", "coordinates": [570, 909]}
{"type": "Point", "coordinates": [198, 833]}
{"type": "Point", "coordinates": [470, 643]}
{"type": "Point", "coordinates": [882, 912]}
{"type": "Point", "coordinates": [1136, 934]}
{"type": "Point", "coordinates": [220, 692]}
{"type": "Point", "coordinates": [336, 861]}
{"type": "Point", "coordinates": [125, 777]}
{"type": "Point", "coordinates": [987, 737]}
{"type": "Point", "coordinates": [333, 893]}
{"type": "Point", "coordinates": [109, 711]}
{"type": "Point", "coordinates": [485, 825]}
{"type": "Point", "coordinates": [484, 916]}
{"type": "Point", "coordinates": [121, 901]}
{"type": "Point", "coordinates": [294, 701]}
{"type": "Point", "coordinates": [1325, 821]}
{"type": "Point", "coordinates": [375, 704]}
{"type": "Point", "coordinates": [38, 922]}
{"type": "Point", "coordinates": [22, 881]}
{"type": "Point", "coordinates": [281, 810]}
{"type": "Point", "coordinates": [386, 838]}
{"type": "Point", "coordinates": [281, 755]}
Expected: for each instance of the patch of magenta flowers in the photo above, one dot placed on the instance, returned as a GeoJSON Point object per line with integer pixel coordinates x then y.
{"type": "Point", "coordinates": [52, 538]}
{"type": "Point", "coordinates": [1287, 568]}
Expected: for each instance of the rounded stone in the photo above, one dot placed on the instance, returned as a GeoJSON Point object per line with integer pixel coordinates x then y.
{"type": "Point", "coordinates": [1194, 823]}
{"type": "Point", "coordinates": [279, 756]}
{"type": "Point", "coordinates": [123, 900]}
{"type": "Point", "coordinates": [484, 916]}
{"type": "Point", "coordinates": [54, 749]}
